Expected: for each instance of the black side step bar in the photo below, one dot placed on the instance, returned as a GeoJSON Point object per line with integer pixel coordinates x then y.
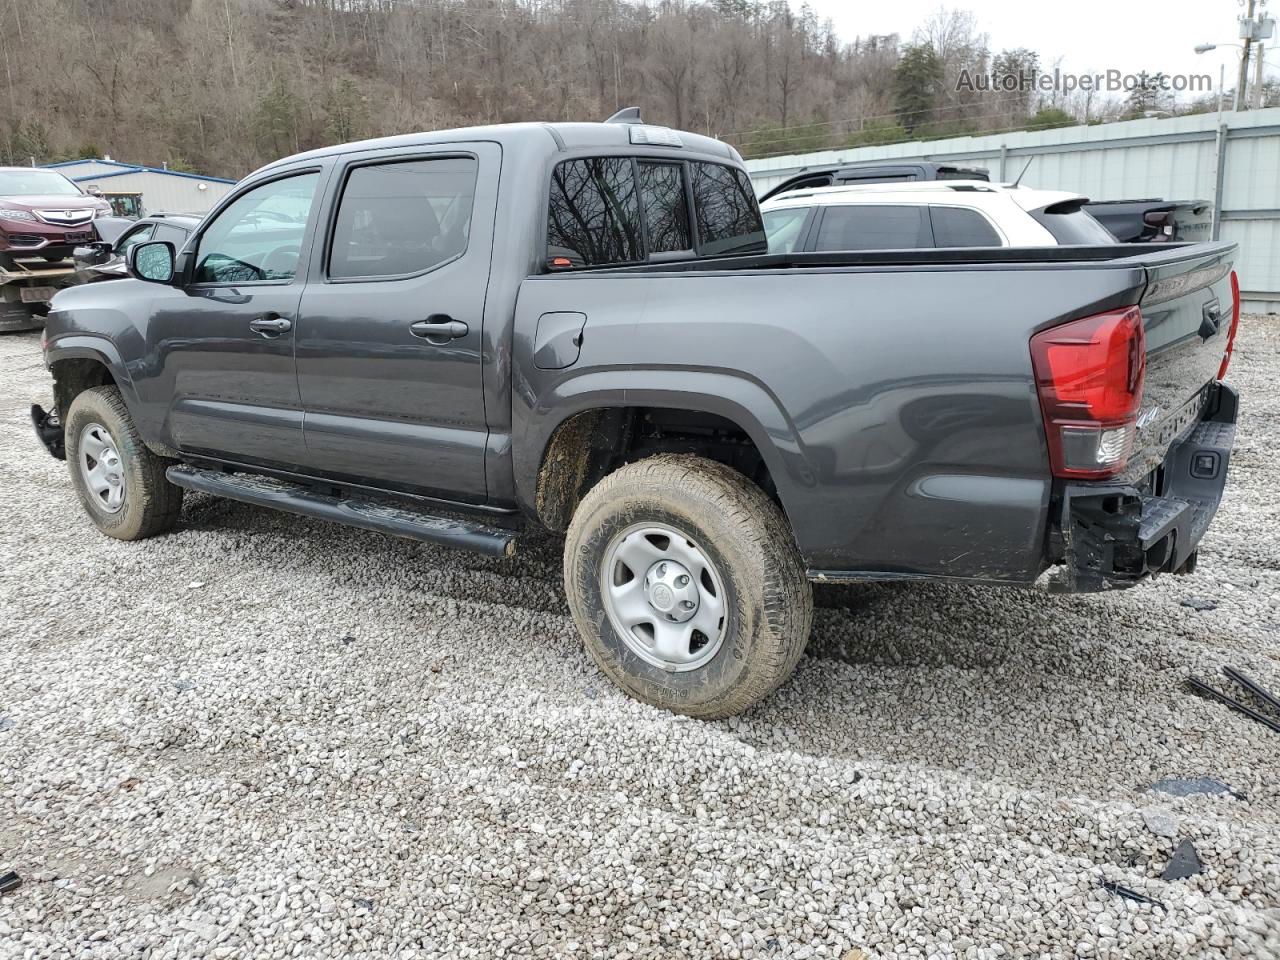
{"type": "Point", "coordinates": [367, 514]}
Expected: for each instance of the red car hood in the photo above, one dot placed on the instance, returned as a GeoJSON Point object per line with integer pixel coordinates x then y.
{"type": "Point", "coordinates": [55, 203]}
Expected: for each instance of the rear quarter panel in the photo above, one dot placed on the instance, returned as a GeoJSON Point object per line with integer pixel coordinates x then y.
{"type": "Point", "coordinates": [895, 407]}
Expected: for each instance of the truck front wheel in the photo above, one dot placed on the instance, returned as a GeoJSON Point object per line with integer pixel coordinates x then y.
{"type": "Point", "coordinates": [121, 483]}
{"type": "Point", "coordinates": [686, 585]}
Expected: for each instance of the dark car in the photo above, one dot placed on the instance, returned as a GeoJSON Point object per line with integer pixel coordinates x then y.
{"type": "Point", "coordinates": [469, 336]}
{"type": "Point", "coordinates": [106, 259]}
{"type": "Point", "coordinates": [1154, 220]}
{"type": "Point", "coordinates": [43, 214]}
{"type": "Point", "coordinates": [837, 174]}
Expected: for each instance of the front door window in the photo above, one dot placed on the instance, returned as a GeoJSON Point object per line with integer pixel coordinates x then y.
{"type": "Point", "coordinates": [259, 236]}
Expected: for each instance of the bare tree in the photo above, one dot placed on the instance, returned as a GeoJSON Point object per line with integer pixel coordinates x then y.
{"type": "Point", "coordinates": [225, 85]}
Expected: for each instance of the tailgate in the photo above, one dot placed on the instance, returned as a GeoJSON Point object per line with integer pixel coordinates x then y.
{"type": "Point", "coordinates": [1186, 309]}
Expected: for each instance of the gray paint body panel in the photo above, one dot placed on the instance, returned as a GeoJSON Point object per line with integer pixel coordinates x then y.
{"type": "Point", "coordinates": [891, 395]}
{"type": "Point", "coordinates": [897, 413]}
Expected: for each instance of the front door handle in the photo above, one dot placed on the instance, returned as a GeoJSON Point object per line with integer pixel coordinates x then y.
{"type": "Point", "coordinates": [439, 329]}
{"type": "Point", "coordinates": [270, 325]}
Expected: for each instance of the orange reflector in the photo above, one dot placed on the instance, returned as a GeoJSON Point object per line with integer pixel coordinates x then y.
{"type": "Point", "coordinates": [561, 262]}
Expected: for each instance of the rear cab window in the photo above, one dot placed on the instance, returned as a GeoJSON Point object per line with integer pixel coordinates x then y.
{"type": "Point", "coordinates": [724, 205]}
{"type": "Point", "coordinates": [594, 214]}
{"type": "Point", "coordinates": [621, 210]}
{"type": "Point", "coordinates": [666, 208]}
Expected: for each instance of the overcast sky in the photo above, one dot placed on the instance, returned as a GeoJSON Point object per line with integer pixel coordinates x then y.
{"type": "Point", "coordinates": [1090, 35]}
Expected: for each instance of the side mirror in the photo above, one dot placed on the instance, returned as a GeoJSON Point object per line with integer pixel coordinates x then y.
{"type": "Point", "coordinates": [93, 190]}
{"type": "Point", "coordinates": [91, 254]}
{"type": "Point", "coordinates": [152, 261]}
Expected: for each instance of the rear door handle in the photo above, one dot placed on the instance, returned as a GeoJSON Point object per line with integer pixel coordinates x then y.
{"type": "Point", "coordinates": [439, 329]}
{"type": "Point", "coordinates": [270, 325]}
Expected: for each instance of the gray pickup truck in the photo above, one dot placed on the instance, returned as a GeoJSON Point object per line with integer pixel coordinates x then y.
{"type": "Point", "coordinates": [463, 335]}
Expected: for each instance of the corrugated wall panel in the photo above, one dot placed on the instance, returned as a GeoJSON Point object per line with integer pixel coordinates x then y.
{"type": "Point", "coordinates": [162, 193]}
{"type": "Point", "coordinates": [1172, 158]}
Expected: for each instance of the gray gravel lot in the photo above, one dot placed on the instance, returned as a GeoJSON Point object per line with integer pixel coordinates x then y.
{"type": "Point", "coordinates": [263, 736]}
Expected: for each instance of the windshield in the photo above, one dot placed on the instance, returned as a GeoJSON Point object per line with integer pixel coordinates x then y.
{"type": "Point", "coordinates": [36, 183]}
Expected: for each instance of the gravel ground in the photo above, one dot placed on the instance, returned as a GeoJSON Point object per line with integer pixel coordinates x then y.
{"type": "Point", "coordinates": [262, 736]}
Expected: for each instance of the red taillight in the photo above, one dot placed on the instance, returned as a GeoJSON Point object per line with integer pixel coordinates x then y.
{"type": "Point", "coordinates": [1089, 376]}
{"type": "Point", "coordinates": [1235, 322]}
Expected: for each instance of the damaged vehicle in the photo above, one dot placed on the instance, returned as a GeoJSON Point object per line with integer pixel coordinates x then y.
{"type": "Point", "coordinates": [105, 259]}
{"type": "Point", "coordinates": [43, 216]}
{"type": "Point", "coordinates": [464, 336]}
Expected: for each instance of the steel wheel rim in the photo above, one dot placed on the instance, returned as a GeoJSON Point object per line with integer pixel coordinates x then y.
{"type": "Point", "coordinates": [664, 597]}
{"type": "Point", "coordinates": [101, 468]}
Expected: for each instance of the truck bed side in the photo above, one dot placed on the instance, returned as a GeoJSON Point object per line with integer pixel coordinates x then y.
{"type": "Point", "coordinates": [894, 405]}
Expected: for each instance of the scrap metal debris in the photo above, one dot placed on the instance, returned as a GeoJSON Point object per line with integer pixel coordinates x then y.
{"type": "Point", "coordinates": [1254, 687]}
{"type": "Point", "coordinates": [1120, 890]}
{"type": "Point", "coordinates": [1199, 603]}
{"type": "Point", "coordinates": [10, 881]}
{"type": "Point", "coordinates": [1202, 688]}
{"type": "Point", "coordinates": [1185, 863]}
{"type": "Point", "coordinates": [1191, 786]}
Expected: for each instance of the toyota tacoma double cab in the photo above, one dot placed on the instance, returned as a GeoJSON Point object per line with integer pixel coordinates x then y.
{"type": "Point", "coordinates": [466, 335]}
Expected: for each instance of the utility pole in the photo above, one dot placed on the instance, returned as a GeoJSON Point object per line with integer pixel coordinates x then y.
{"type": "Point", "coordinates": [1258, 78]}
{"type": "Point", "coordinates": [1243, 81]}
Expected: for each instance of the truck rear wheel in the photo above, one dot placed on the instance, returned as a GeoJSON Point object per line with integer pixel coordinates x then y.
{"type": "Point", "coordinates": [686, 585]}
{"type": "Point", "coordinates": [121, 483]}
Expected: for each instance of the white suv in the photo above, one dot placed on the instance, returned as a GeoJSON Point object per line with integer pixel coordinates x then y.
{"type": "Point", "coordinates": [937, 213]}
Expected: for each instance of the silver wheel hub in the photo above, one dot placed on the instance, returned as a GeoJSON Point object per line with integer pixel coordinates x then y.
{"type": "Point", "coordinates": [101, 468]}
{"type": "Point", "coordinates": [664, 597]}
{"type": "Point", "coordinates": [670, 590]}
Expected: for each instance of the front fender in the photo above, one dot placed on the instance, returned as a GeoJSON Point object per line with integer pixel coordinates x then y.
{"type": "Point", "coordinates": [87, 346]}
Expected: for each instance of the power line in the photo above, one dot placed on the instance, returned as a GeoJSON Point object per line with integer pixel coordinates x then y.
{"type": "Point", "coordinates": [894, 142]}
{"type": "Point", "coordinates": [877, 116]}
{"type": "Point", "coordinates": [1027, 126]}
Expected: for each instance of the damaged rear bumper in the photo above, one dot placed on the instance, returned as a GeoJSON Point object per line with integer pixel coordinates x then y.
{"type": "Point", "coordinates": [1115, 535]}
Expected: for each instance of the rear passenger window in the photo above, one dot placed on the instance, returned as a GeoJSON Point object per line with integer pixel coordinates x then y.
{"type": "Point", "coordinates": [784, 227]}
{"type": "Point", "coordinates": [594, 215]}
{"type": "Point", "coordinates": [399, 219]}
{"type": "Point", "coordinates": [175, 235]}
{"type": "Point", "coordinates": [957, 227]}
{"type": "Point", "coordinates": [873, 227]}
{"type": "Point", "coordinates": [726, 210]}
{"type": "Point", "coordinates": [666, 214]}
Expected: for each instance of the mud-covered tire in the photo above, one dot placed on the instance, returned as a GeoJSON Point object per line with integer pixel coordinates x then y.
{"type": "Point", "coordinates": [768, 601]}
{"type": "Point", "coordinates": [151, 503]}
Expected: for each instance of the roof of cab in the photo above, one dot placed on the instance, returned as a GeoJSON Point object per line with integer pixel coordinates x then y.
{"type": "Point", "coordinates": [547, 138]}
